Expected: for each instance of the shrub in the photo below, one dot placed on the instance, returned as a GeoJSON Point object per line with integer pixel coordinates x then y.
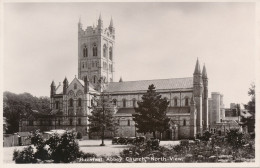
{"type": "Point", "coordinates": [24, 156]}
{"type": "Point", "coordinates": [235, 138]}
{"type": "Point", "coordinates": [38, 141]}
{"type": "Point", "coordinates": [63, 149]}
{"type": "Point", "coordinates": [184, 143]}
{"type": "Point", "coordinates": [79, 135]}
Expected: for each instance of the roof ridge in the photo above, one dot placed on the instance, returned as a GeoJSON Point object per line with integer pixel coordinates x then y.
{"type": "Point", "coordinates": [153, 79]}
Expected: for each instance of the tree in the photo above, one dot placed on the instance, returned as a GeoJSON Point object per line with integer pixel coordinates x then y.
{"type": "Point", "coordinates": [150, 115]}
{"type": "Point", "coordinates": [102, 118]}
{"type": "Point", "coordinates": [251, 103]}
{"type": "Point", "coordinates": [17, 106]}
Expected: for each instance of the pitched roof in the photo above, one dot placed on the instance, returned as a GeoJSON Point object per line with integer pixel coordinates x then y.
{"type": "Point", "coordinates": [142, 85]}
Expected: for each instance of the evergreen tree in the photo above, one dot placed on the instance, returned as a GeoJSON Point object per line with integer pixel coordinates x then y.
{"type": "Point", "coordinates": [150, 115]}
{"type": "Point", "coordinates": [102, 118]}
{"type": "Point", "coordinates": [251, 103]}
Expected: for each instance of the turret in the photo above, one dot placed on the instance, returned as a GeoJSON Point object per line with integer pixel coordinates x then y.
{"type": "Point", "coordinates": [205, 99]}
{"type": "Point", "coordinates": [79, 25]}
{"type": "Point", "coordinates": [86, 84]}
{"type": "Point", "coordinates": [205, 81]}
{"type": "Point", "coordinates": [53, 89]}
{"type": "Point", "coordinates": [100, 22]}
{"type": "Point", "coordinates": [197, 92]}
{"type": "Point", "coordinates": [197, 80]}
{"type": "Point", "coordinates": [65, 86]}
{"type": "Point", "coordinates": [111, 27]}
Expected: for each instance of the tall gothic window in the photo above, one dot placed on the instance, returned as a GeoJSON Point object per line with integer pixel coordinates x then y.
{"type": "Point", "coordinates": [57, 104]}
{"type": "Point", "coordinates": [79, 121]}
{"type": "Point", "coordinates": [134, 102]}
{"type": "Point", "coordinates": [79, 102]}
{"type": "Point", "coordinates": [110, 53]}
{"type": "Point", "coordinates": [128, 122]}
{"type": "Point", "coordinates": [71, 102]}
{"type": "Point", "coordinates": [175, 102]}
{"type": "Point", "coordinates": [95, 50]}
{"type": "Point", "coordinates": [94, 79]}
{"type": "Point", "coordinates": [124, 102]}
{"type": "Point", "coordinates": [82, 64]}
{"type": "Point", "coordinates": [184, 122]}
{"type": "Point", "coordinates": [186, 101]}
{"type": "Point", "coordinates": [104, 50]}
{"type": "Point", "coordinates": [114, 101]}
{"type": "Point", "coordinates": [71, 121]}
{"type": "Point", "coordinates": [85, 51]}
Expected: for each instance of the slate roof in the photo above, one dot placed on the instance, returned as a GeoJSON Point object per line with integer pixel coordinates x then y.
{"type": "Point", "coordinates": [142, 85]}
{"type": "Point", "coordinates": [170, 110]}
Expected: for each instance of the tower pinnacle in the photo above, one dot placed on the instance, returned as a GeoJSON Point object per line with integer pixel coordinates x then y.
{"type": "Point", "coordinates": [204, 72]}
{"type": "Point", "coordinates": [111, 23]}
{"type": "Point", "coordinates": [197, 68]}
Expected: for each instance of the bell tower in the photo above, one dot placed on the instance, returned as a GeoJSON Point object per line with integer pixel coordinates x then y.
{"type": "Point", "coordinates": [96, 52]}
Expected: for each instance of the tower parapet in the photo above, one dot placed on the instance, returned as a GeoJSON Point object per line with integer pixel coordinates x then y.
{"type": "Point", "coordinates": [96, 52]}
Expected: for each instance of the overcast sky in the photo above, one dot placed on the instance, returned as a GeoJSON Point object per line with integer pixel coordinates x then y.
{"type": "Point", "coordinates": [153, 41]}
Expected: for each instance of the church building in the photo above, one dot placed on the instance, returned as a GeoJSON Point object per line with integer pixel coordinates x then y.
{"type": "Point", "coordinates": [71, 101]}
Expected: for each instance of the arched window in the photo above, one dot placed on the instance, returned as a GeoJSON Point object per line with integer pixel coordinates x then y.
{"type": "Point", "coordinates": [114, 101]}
{"type": "Point", "coordinates": [96, 64]}
{"type": "Point", "coordinates": [94, 79]}
{"type": "Point", "coordinates": [134, 102]}
{"type": "Point", "coordinates": [57, 104]}
{"type": "Point", "coordinates": [184, 122]}
{"type": "Point", "coordinates": [118, 121]}
{"type": "Point", "coordinates": [82, 64]}
{"type": "Point", "coordinates": [124, 102]}
{"type": "Point", "coordinates": [79, 102]}
{"type": "Point", "coordinates": [75, 86]}
{"type": "Point", "coordinates": [58, 121]}
{"type": "Point", "coordinates": [85, 51]}
{"type": "Point", "coordinates": [175, 102]}
{"type": "Point", "coordinates": [104, 50]}
{"type": "Point", "coordinates": [94, 50]}
{"type": "Point", "coordinates": [79, 121]}
{"type": "Point", "coordinates": [128, 122]}
{"type": "Point", "coordinates": [71, 121]}
{"type": "Point", "coordinates": [186, 101]}
{"type": "Point", "coordinates": [110, 53]}
{"type": "Point", "coordinates": [71, 102]}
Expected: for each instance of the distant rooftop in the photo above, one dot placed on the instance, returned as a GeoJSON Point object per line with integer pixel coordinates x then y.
{"type": "Point", "coordinates": [142, 85]}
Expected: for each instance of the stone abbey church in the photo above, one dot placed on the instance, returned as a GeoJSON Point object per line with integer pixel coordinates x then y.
{"type": "Point", "coordinates": [70, 101]}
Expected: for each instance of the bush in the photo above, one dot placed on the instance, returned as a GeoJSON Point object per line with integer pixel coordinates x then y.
{"type": "Point", "coordinates": [79, 135]}
{"type": "Point", "coordinates": [38, 141]}
{"type": "Point", "coordinates": [63, 149]}
{"type": "Point", "coordinates": [184, 142]}
{"type": "Point", "coordinates": [25, 156]}
{"type": "Point", "coordinates": [235, 138]}
{"type": "Point", "coordinates": [60, 149]}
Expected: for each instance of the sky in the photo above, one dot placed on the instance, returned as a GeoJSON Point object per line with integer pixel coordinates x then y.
{"type": "Point", "coordinates": [153, 41]}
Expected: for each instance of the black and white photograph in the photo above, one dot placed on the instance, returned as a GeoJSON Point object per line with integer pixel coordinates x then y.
{"type": "Point", "coordinates": [117, 83]}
